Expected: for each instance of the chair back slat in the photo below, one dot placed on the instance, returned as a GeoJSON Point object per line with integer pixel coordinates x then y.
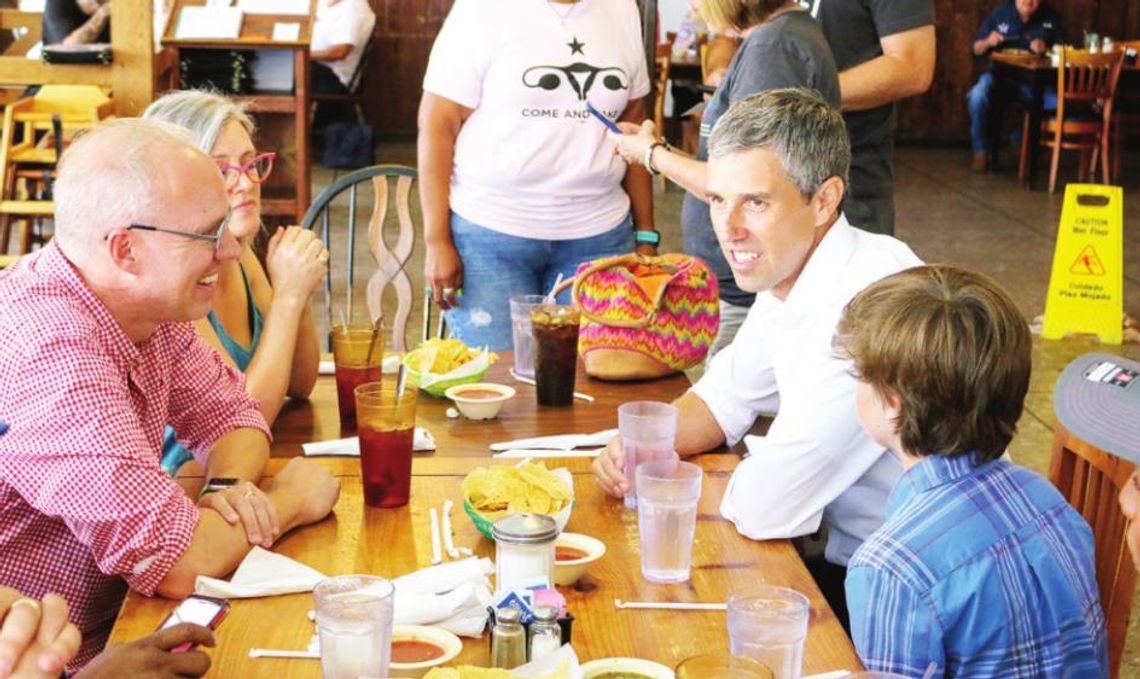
{"type": "Point", "coordinates": [391, 260]}
{"type": "Point", "coordinates": [1091, 479]}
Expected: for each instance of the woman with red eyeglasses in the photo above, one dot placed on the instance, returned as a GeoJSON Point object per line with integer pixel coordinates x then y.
{"type": "Point", "coordinates": [259, 323]}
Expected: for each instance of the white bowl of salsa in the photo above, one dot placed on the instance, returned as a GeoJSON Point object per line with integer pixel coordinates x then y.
{"type": "Point", "coordinates": [573, 554]}
{"type": "Point", "coordinates": [416, 649]}
{"type": "Point", "coordinates": [479, 400]}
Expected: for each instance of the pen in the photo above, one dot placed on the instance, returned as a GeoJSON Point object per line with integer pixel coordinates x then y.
{"type": "Point", "coordinates": [604, 120]}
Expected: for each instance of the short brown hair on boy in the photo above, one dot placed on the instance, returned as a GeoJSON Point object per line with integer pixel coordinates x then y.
{"type": "Point", "coordinates": [952, 347]}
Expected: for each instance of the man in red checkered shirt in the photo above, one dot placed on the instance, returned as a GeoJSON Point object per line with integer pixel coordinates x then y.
{"type": "Point", "coordinates": [98, 356]}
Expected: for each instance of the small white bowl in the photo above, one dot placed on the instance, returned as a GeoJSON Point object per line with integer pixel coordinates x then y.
{"type": "Point", "coordinates": [450, 644]}
{"type": "Point", "coordinates": [568, 572]}
{"type": "Point", "coordinates": [479, 408]}
{"type": "Point", "coordinates": [646, 667]}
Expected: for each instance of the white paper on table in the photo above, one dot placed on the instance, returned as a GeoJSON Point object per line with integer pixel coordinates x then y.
{"type": "Point", "coordinates": [202, 22]}
{"type": "Point", "coordinates": [539, 452]}
{"type": "Point", "coordinates": [453, 596]}
{"type": "Point", "coordinates": [326, 368]}
{"type": "Point", "coordinates": [275, 6]}
{"type": "Point", "coordinates": [837, 674]}
{"type": "Point", "coordinates": [286, 32]}
{"type": "Point", "coordinates": [422, 441]}
{"type": "Point", "coordinates": [559, 441]}
{"type": "Point", "coordinates": [564, 656]}
{"type": "Point", "coordinates": [261, 573]}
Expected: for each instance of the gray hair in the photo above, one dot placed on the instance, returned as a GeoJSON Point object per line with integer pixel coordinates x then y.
{"type": "Point", "coordinates": [797, 125]}
{"type": "Point", "coordinates": [203, 113]}
{"type": "Point", "coordinates": [107, 179]}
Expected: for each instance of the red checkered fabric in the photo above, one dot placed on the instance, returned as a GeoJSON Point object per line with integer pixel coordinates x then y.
{"type": "Point", "coordinates": [87, 511]}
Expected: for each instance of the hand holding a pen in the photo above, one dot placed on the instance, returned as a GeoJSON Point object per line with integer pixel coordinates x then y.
{"type": "Point", "coordinates": [635, 141]}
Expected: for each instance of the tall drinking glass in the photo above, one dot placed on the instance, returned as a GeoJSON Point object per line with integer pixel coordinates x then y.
{"type": "Point", "coordinates": [722, 666]}
{"type": "Point", "coordinates": [354, 621]}
{"type": "Point", "coordinates": [667, 495]}
{"type": "Point", "coordinates": [386, 426]}
{"type": "Point", "coordinates": [555, 331]}
{"type": "Point", "coordinates": [769, 624]}
{"type": "Point", "coordinates": [647, 430]}
{"type": "Point", "coordinates": [523, 341]}
{"type": "Point", "coordinates": [358, 353]}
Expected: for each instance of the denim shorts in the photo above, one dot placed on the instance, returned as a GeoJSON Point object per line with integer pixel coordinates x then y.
{"type": "Point", "coordinates": [497, 267]}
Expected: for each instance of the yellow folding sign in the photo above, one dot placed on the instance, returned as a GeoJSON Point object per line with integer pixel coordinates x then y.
{"type": "Point", "coordinates": [1086, 285]}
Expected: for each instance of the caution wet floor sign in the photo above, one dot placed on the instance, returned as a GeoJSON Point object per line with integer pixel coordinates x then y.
{"type": "Point", "coordinates": [1085, 288]}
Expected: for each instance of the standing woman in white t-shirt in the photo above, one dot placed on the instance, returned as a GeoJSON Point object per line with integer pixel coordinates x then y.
{"type": "Point", "coordinates": [517, 182]}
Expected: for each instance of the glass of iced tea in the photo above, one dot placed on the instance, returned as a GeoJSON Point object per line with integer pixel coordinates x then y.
{"type": "Point", "coordinates": [358, 352]}
{"type": "Point", "coordinates": [555, 330]}
{"type": "Point", "coordinates": [386, 423]}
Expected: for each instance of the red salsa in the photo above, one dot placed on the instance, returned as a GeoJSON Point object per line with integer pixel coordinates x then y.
{"type": "Point", "coordinates": [477, 394]}
{"type": "Point", "coordinates": [564, 553]}
{"type": "Point", "coordinates": [414, 651]}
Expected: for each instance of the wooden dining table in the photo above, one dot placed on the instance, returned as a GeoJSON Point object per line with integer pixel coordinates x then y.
{"type": "Point", "coordinates": [1039, 72]}
{"type": "Point", "coordinates": [356, 538]}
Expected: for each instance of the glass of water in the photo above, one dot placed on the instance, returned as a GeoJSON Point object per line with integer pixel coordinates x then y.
{"type": "Point", "coordinates": [521, 339]}
{"type": "Point", "coordinates": [769, 624]}
{"type": "Point", "coordinates": [667, 494]}
{"type": "Point", "coordinates": [648, 430]}
{"type": "Point", "coordinates": [354, 621]}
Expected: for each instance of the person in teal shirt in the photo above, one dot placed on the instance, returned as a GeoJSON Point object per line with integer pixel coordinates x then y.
{"type": "Point", "coordinates": [260, 322]}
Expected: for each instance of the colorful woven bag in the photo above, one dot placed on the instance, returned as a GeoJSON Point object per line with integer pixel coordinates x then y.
{"type": "Point", "coordinates": [645, 317]}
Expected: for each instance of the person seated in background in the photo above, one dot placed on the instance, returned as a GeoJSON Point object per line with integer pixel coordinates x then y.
{"type": "Point", "coordinates": [1017, 24]}
{"type": "Point", "coordinates": [776, 175]}
{"type": "Point", "coordinates": [76, 22]}
{"type": "Point", "coordinates": [37, 641]}
{"type": "Point", "coordinates": [340, 32]}
{"type": "Point", "coordinates": [101, 357]}
{"type": "Point", "coordinates": [982, 568]}
{"type": "Point", "coordinates": [266, 331]}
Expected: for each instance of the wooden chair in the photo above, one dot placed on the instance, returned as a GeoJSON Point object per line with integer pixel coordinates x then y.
{"type": "Point", "coordinates": [1125, 114]}
{"type": "Point", "coordinates": [1091, 479]}
{"type": "Point", "coordinates": [661, 60]}
{"type": "Point", "coordinates": [35, 130]}
{"type": "Point", "coordinates": [339, 203]}
{"type": "Point", "coordinates": [1086, 84]}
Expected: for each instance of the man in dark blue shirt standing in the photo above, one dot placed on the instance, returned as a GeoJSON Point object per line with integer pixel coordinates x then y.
{"type": "Point", "coordinates": [1017, 24]}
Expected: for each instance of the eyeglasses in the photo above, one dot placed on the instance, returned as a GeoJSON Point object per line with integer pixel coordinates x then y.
{"type": "Point", "coordinates": [215, 238]}
{"type": "Point", "coordinates": [257, 169]}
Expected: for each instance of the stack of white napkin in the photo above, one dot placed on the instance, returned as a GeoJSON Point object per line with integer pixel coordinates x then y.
{"type": "Point", "coordinates": [559, 445]}
{"type": "Point", "coordinates": [453, 596]}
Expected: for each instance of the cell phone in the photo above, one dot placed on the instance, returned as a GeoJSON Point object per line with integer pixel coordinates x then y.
{"type": "Point", "coordinates": [206, 611]}
{"type": "Point", "coordinates": [605, 121]}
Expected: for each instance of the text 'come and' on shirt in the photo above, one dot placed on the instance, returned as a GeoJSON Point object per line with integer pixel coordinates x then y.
{"type": "Point", "coordinates": [529, 160]}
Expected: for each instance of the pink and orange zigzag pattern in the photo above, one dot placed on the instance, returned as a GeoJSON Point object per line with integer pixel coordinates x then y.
{"type": "Point", "coordinates": [681, 331]}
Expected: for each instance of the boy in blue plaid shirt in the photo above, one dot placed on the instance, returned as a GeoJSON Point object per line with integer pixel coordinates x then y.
{"type": "Point", "coordinates": [981, 568]}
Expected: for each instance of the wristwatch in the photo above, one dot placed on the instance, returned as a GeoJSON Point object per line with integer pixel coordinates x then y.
{"type": "Point", "coordinates": [220, 483]}
{"type": "Point", "coordinates": [650, 236]}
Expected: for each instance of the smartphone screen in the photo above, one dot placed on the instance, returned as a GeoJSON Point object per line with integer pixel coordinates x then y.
{"type": "Point", "coordinates": [200, 610]}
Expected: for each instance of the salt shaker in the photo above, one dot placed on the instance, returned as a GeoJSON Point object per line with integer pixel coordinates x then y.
{"type": "Point", "coordinates": [508, 640]}
{"type": "Point", "coordinates": [545, 636]}
{"type": "Point", "coordinates": [524, 549]}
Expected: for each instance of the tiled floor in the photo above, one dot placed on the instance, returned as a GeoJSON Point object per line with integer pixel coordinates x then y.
{"type": "Point", "coordinates": [986, 222]}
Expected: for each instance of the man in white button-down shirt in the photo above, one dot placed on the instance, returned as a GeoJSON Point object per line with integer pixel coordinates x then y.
{"type": "Point", "coordinates": [777, 172]}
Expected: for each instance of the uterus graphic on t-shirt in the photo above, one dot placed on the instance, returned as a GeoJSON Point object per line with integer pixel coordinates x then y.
{"type": "Point", "coordinates": [579, 78]}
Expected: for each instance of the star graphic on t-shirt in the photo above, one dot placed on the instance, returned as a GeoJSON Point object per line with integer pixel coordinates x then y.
{"type": "Point", "coordinates": [575, 46]}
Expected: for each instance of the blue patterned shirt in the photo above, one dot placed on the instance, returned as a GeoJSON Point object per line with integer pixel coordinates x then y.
{"type": "Point", "coordinates": [986, 571]}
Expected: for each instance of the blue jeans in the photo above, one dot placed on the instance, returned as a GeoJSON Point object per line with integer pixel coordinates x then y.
{"type": "Point", "coordinates": [497, 267]}
{"type": "Point", "coordinates": [981, 98]}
